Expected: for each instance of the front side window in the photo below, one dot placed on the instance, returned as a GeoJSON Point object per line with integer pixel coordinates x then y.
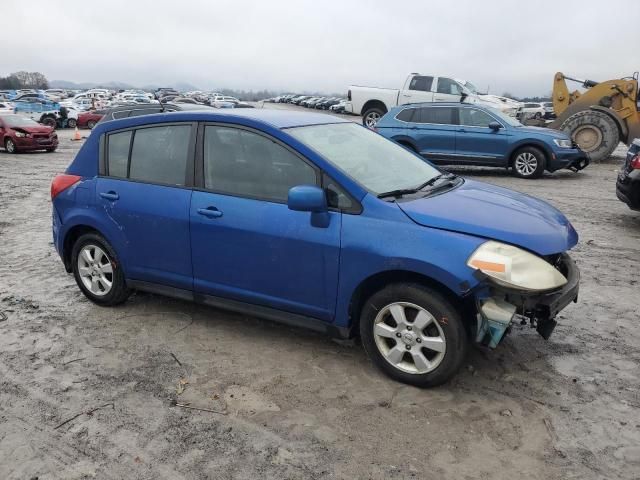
{"type": "Point", "coordinates": [448, 86]}
{"type": "Point", "coordinates": [435, 115]}
{"type": "Point", "coordinates": [243, 163]}
{"type": "Point", "coordinates": [378, 164]}
{"type": "Point", "coordinates": [472, 117]}
{"type": "Point", "coordinates": [159, 154]}
{"type": "Point", "coordinates": [422, 84]}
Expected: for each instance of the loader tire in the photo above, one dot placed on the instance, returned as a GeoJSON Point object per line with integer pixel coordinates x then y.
{"type": "Point", "coordinates": [596, 133]}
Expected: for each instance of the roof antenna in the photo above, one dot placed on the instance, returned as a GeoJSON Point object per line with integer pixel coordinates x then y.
{"type": "Point", "coordinates": [155, 95]}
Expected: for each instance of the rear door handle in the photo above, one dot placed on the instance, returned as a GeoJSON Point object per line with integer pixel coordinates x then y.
{"type": "Point", "coordinates": [210, 212]}
{"type": "Point", "coordinates": [110, 195]}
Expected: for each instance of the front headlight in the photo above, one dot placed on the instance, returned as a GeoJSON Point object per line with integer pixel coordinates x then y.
{"type": "Point", "coordinates": [513, 267]}
{"type": "Point", "coordinates": [21, 134]}
{"type": "Point", "coordinates": [563, 143]}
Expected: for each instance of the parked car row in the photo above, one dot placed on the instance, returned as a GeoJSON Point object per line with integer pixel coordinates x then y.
{"type": "Point", "coordinates": [334, 104]}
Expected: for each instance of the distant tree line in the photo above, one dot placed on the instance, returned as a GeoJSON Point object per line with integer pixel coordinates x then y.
{"type": "Point", "coordinates": [20, 80]}
{"type": "Point", "coordinates": [546, 98]}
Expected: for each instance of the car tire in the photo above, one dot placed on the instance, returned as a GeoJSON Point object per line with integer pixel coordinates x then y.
{"type": "Point", "coordinates": [49, 121]}
{"type": "Point", "coordinates": [413, 334]}
{"type": "Point", "coordinates": [537, 116]}
{"type": "Point", "coordinates": [371, 116]}
{"type": "Point", "coordinates": [91, 124]}
{"type": "Point", "coordinates": [51, 150]}
{"type": "Point", "coordinates": [10, 146]}
{"type": "Point", "coordinates": [97, 270]}
{"type": "Point", "coordinates": [595, 132]}
{"type": "Point", "coordinates": [72, 123]}
{"type": "Point", "coordinates": [528, 162]}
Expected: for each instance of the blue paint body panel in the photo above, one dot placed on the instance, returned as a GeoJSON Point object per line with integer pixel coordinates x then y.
{"type": "Point", "coordinates": [265, 254]}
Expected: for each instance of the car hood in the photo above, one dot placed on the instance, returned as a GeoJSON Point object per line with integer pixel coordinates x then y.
{"type": "Point", "coordinates": [496, 213]}
{"type": "Point", "coordinates": [543, 131]}
{"type": "Point", "coordinates": [34, 129]}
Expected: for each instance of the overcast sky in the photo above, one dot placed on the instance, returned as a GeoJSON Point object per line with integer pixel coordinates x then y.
{"type": "Point", "coordinates": [298, 45]}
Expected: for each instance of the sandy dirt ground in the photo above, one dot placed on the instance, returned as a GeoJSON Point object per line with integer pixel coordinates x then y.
{"type": "Point", "coordinates": [89, 392]}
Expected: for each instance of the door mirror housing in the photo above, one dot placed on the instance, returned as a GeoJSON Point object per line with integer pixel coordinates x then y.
{"type": "Point", "coordinates": [307, 198]}
{"type": "Point", "coordinates": [495, 126]}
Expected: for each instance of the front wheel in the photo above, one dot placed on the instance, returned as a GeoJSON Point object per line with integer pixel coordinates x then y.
{"type": "Point", "coordinates": [97, 271]}
{"type": "Point", "coordinates": [413, 334]}
{"type": "Point", "coordinates": [49, 122]}
{"type": "Point", "coordinates": [71, 123]}
{"type": "Point", "coordinates": [528, 162]}
{"type": "Point", "coordinates": [371, 116]}
{"type": "Point", "coordinates": [10, 146]}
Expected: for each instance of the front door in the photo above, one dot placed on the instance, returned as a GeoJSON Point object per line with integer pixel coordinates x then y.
{"type": "Point", "coordinates": [476, 142]}
{"type": "Point", "coordinates": [145, 197]}
{"type": "Point", "coordinates": [246, 243]}
{"type": "Point", "coordinates": [447, 90]}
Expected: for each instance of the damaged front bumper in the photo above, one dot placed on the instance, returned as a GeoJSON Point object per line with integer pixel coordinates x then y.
{"type": "Point", "coordinates": [501, 307]}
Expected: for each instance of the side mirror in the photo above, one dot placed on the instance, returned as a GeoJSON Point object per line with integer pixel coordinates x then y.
{"type": "Point", "coordinates": [495, 126]}
{"type": "Point", "coordinates": [307, 198]}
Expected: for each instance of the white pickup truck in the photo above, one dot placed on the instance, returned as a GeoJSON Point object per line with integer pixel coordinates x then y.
{"type": "Point", "coordinates": [373, 102]}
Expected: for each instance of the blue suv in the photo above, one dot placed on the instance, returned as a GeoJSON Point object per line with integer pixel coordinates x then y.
{"type": "Point", "coordinates": [472, 134]}
{"type": "Point", "coordinates": [314, 221]}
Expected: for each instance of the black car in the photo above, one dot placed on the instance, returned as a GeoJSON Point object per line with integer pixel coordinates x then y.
{"type": "Point", "coordinates": [137, 109]}
{"type": "Point", "coordinates": [628, 184]}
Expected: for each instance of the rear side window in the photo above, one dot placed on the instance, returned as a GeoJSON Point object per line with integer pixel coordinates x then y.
{"type": "Point", "coordinates": [422, 84]}
{"type": "Point", "coordinates": [143, 111]}
{"type": "Point", "coordinates": [435, 115]}
{"type": "Point", "coordinates": [120, 114]}
{"type": "Point", "coordinates": [472, 117]}
{"type": "Point", "coordinates": [159, 154]}
{"type": "Point", "coordinates": [118, 154]}
{"type": "Point", "coordinates": [406, 115]}
{"type": "Point", "coordinates": [243, 163]}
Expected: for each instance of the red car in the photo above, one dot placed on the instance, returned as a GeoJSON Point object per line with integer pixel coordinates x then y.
{"type": "Point", "coordinates": [89, 119]}
{"type": "Point", "coordinates": [21, 134]}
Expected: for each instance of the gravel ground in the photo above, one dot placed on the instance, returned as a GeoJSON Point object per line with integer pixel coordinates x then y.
{"type": "Point", "coordinates": [86, 392]}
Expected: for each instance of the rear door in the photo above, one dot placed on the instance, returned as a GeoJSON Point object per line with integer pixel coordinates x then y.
{"type": "Point", "coordinates": [434, 132]}
{"type": "Point", "coordinates": [145, 193]}
{"type": "Point", "coordinates": [476, 142]}
{"type": "Point", "coordinates": [246, 243]}
{"type": "Point", "coordinates": [418, 90]}
{"type": "Point", "coordinates": [447, 90]}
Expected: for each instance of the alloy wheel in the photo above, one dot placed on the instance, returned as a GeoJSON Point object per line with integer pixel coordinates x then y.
{"type": "Point", "coordinates": [371, 119]}
{"type": "Point", "coordinates": [409, 338]}
{"type": "Point", "coordinates": [526, 164]}
{"type": "Point", "coordinates": [10, 146]}
{"type": "Point", "coordinates": [95, 270]}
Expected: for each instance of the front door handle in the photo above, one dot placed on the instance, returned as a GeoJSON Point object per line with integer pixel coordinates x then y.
{"type": "Point", "coordinates": [210, 212]}
{"type": "Point", "coordinates": [111, 195]}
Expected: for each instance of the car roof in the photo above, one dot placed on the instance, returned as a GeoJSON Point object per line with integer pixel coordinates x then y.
{"type": "Point", "coordinates": [440, 104]}
{"type": "Point", "coordinates": [275, 118]}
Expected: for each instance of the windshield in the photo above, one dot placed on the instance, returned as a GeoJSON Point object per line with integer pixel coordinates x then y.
{"type": "Point", "coordinates": [378, 164]}
{"type": "Point", "coordinates": [505, 118]}
{"type": "Point", "coordinates": [472, 88]}
{"type": "Point", "coordinates": [18, 121]}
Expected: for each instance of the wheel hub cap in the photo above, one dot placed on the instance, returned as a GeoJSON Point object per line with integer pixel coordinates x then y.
{"type": "Point", "coordinates": [95, 270]}
{"type": "Point", "coordinates": [588, 137]}
{"type": "Point", "coordinates": [409, 338]}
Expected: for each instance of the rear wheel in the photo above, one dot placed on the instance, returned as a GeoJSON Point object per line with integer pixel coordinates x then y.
{"type": "Point", "coordinates": [10, 146]}
{"type": "Point", "coordinates": [595, 132]}
{"type": "Point", "coordinates": [97, 270]}
{"type": "Point", "coordinates": [528, 162]}
{"type": "Point", "coordinates": [371, 116]}
{"type": "Point", "coordinates": [413, 334]}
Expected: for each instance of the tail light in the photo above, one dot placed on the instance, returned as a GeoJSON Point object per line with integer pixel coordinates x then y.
{"type": "Point", "coordinates": [61, 182]}
{"type": "Point", "coordinates": [349, 95]}
{"type": "Point", "coordinates": [635, 163]}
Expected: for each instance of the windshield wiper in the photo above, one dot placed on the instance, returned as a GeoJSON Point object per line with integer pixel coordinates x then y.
{"type": "Point", "coordinates": [408, 191]}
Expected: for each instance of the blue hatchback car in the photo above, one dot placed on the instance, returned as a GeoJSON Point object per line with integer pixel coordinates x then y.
{"type": "Point", "coordinates": [472, 134]}
{"type": "Point", "coordinates": [315, 221]}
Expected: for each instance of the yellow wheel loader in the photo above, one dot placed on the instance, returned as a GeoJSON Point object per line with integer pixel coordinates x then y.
{"type": "Point", "coordinates": [599, 118]}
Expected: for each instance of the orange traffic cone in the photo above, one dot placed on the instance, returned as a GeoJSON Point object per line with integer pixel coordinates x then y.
{"type": "Point", "coordinates": [76, 136]}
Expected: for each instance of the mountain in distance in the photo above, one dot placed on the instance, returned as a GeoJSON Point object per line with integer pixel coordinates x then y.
{"type": "Point", "coordinates": [114, 85]}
